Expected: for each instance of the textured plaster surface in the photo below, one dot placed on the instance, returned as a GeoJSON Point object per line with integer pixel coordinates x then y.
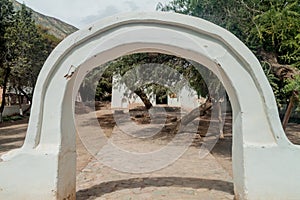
{"type": "Point", "coordinates": [265, 163]}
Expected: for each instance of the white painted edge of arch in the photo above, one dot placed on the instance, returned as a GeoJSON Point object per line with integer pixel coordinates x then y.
{"type": "Point", "coordinates": [173, 19]}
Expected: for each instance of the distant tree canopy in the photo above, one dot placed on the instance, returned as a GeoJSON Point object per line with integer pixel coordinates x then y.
{"type": "Point", "coordinates": [270, 28]}
{"type": "Point", "coordinates": [125, 64]}
{"type": "Point", "coordinates": [270, 25]}
{"type": "Point", "coordinates": [24, 48]}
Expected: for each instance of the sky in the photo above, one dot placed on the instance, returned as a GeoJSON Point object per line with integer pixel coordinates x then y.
{"type": "Point", "coordinates": [79, 13]}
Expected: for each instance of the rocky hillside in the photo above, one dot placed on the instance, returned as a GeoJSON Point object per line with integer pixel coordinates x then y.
{"type": "Point", "coordinates": [55, 26]}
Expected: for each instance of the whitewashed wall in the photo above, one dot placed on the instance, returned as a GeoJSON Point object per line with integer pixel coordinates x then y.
{"type": "Point", "coordinates": [122, 96]}
{"type": "Point", "coordinates": [13, 110]}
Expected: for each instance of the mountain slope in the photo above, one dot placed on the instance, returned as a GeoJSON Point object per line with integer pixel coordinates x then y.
{"type": "Point", "coordinates": [55, 26]}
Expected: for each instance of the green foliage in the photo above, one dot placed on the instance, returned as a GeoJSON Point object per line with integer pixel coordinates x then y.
{"type": "Point", "coordinates": [136, 68]}
{"type": "Point", "coordinates": [273, 80]}
{"type": "Point", "coordinates": [24, 47]}
{"type": "Point", "coordinates": [6, 20]}
{"type": "Point", "coordinates": [278, 29]}
{"type": "Point", "coordinates": [50, 41]}
{"type": "Point", "coordinates": [54, 27]}
{"type": "Point", "coordinates": [292, 89]}
{"type": "Point", "coordinates": [292, 85]}
{"type": "Point", "coordinates": [99, 83]}
{"type": "Point", "coordinates": [230, 14]}
{"type": "Point", "coordinates": [12, 118]}
{"type": "Point", "coordinates": [180, 66]}
{"type": "Point", "coordinates": [271, 26]}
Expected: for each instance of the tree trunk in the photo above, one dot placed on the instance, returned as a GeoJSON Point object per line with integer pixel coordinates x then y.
{"type": "Point", "coordinates": [144, 98]}
{"type": "Point", "coordinates": [27, 109]}
{"type": "Point", "coordinates": [19, 102]}
{"type": "Point", "coordinates": [5, 81]}
{"type": "Point", "coordinates": [28, 98]}
{"type": "Point", "coordinates": [24, 93]}
{"type": "Point", "coordinates": [288, 111]}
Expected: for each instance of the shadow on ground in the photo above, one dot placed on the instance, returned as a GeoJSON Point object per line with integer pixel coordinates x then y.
{"type": "Point", "coordinates": [12, 136]}
{"type": "Point", "coordinates": [195, 183]}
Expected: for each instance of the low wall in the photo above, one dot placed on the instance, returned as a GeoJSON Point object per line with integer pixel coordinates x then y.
{"type": "Point", "coordinates": [13, 110]}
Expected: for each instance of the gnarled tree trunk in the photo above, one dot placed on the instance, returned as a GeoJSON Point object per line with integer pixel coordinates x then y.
{"type": "Point", "coordinates": [144, 98]}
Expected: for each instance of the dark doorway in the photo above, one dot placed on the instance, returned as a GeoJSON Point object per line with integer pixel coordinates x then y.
{"type": "Point", "coordinates": [161, 97]}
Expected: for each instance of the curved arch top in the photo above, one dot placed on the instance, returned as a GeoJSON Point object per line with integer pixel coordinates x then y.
{"type": "Point", "coordinates": [257, 129]}
{"type": "Point", "coordinates": [192, 27]}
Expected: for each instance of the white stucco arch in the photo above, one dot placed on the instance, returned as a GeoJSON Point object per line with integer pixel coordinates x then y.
{"type": "Point", "coordinates": [265, 163]}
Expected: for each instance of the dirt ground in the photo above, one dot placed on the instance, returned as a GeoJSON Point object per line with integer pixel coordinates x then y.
{"type": "Point", "coordinates": [12, 136]}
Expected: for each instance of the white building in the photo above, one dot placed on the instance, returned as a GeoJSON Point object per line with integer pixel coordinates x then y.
{"type": "Point", "coordinates": [122, 97]}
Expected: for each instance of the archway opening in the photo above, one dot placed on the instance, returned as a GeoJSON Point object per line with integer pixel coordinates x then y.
{"type": "Point", "coordinates": [119, 115]}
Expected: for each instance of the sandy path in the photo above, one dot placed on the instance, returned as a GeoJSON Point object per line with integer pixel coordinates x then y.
{"type": "Point", "coordinates": [188, 178]}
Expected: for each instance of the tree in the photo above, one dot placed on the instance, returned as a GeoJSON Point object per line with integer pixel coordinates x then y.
{"type": "Point", "coordinates": [28, 51]}
{"type": "Point", "coordinates": [277, 28]}
{"type": "Point", "coordinates": [6, 21]}
{"type": "Point", "coordinates": [271, 29]}
{"type": "Point", "coordinates": [292, 87]}
{"type": "Point", "coordinates": [26, 48]}
{"type": "Point", "coordinates": [229, 14]}
{"type": "Point", "coordinates": [138, 79]}
{"type": "Point", "coordinates": [181, 66]}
